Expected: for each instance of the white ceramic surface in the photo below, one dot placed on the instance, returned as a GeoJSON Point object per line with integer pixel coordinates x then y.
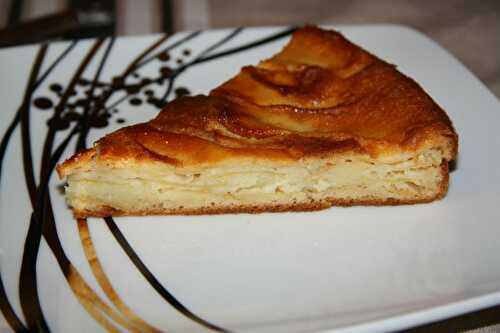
{"type": "Point", "coordinates": [359, 269]}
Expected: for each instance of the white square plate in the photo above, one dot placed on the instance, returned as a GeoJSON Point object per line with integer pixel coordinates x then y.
{"type": "Point", "coordinates": [359, 269]}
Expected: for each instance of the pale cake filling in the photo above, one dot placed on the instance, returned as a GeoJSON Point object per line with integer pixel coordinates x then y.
{"type": "Point", "coordinates": [156, 187]}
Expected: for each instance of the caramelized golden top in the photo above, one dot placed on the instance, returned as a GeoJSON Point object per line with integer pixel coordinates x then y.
{"type": "Point", "coordinates": [320, 95]}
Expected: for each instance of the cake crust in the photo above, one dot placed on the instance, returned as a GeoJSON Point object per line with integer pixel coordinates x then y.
{"type": "Point", "coordinates": [320, 97]}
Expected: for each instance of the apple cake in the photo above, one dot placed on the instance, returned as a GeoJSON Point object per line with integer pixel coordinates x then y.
{"type": "Point", "coordinates": [321, 123]}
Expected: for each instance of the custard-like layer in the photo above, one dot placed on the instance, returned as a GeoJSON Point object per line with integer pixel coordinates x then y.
{"type": "Point", "coordinates": [348, 178]}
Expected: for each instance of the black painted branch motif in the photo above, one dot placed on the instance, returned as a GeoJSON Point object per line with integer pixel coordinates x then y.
{"type": "Point", "coordinates": [6, 308]}
{"type": "Point", "coordinates": [41, 217]}
{"type": "Point", "coordinates": [91, 111]}
{"type": "Point", "coordinates": [80, 115]}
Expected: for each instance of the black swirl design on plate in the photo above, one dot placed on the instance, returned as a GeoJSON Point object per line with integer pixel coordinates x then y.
{"type": "Point", "coordinates": [75, 109]}
{"type": "Point", "coordinates": [160, 289]}
{"type": "Point", "coordinates": [6, 308]}
{"type": "Point", "coordinates": [28, 290]}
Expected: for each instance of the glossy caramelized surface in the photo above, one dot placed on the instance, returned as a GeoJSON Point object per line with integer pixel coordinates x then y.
{"type": "Point", "coordinates": [321, 95]}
